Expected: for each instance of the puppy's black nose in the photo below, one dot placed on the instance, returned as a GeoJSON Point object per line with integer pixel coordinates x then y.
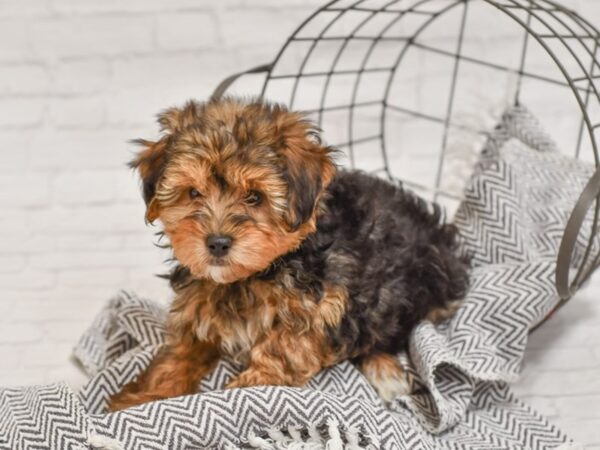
{"type": "Point", "coordinates": [218, 245]}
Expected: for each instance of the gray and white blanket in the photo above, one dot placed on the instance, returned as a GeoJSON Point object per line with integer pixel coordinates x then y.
{"type": "Point", "coordinates": [511, 221]}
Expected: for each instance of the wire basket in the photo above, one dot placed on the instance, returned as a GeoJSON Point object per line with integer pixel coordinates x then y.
{"type": "Point", "coordinates": [379, 76]}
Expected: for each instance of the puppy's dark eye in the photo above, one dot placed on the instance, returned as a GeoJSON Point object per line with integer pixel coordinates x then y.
{"type": "Point", "coordinates": [194, 193]}
{"type": "Point", "coordinates": [253, 198]}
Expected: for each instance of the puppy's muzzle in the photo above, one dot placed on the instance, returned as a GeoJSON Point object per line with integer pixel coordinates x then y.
{"type": "Point", "coordinates": [218, 245]}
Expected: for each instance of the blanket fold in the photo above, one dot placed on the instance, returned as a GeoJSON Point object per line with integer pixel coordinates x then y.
{"type": "Point", "coordinates": [510, 221]}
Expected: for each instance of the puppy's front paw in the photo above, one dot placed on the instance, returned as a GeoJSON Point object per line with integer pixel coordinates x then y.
{"type": "Point", "coordinates": [391, 387]}
{"type": "Point", "coordinates": [386, 375]}
{"type": "Point", "coordinates": [250, 377]}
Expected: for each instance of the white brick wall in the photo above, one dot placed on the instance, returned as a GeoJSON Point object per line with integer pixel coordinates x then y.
{"type": "Point", "coordinates": [78, 79]}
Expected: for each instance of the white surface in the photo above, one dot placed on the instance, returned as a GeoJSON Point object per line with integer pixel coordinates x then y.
{"type": "Point", "coordinates": [78, 79]}
{"type": "Point", "coordinates": [561, 373]}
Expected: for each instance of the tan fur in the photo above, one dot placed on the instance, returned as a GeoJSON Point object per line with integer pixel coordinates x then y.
{"type": "Point", "coordinates": [386, 374]}
{"type": "Point", "coordinates": [439, 315]}
{"type": "Point", "coordinates": [276, 329]}
{"type": "Point", "coordinates": [279, 335]}
{"type": "Point", "coordinates": [331, 308]}
{"type": "Point", "coordinates": [176, 371]}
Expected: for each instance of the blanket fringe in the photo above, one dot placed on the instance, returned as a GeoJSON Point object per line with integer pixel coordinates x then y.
{"type": "Point", "coordinates": [330, 436]}
{"type": "Point", "coordinates": [260, 443]}
{"type": "Point", "coordinates": [98, 442]}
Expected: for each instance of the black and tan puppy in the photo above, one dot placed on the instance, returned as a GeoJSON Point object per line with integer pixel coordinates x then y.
{"type": "Point", "coordinates": [284, 263]}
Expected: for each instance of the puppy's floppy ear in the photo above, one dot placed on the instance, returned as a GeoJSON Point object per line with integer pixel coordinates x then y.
{"type": "Point", "coordinates": [151, 161]}
{"type": "Point", "coordinates": [150, 164]}
{"type": "Point", "coordinates": [176, 119]}
{"type": "Point", "coordinates": [308, 167]}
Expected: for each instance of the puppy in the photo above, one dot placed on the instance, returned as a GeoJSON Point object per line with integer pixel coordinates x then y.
{"type": "Point", "coordinates": [284, 264]}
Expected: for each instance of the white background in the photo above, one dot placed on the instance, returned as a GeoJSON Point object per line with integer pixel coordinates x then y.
{"type": "Point", "coordinates": [78, 79]}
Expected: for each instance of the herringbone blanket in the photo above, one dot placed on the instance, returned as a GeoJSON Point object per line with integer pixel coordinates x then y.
{"type": "Point", "coordinates": [511, 221]}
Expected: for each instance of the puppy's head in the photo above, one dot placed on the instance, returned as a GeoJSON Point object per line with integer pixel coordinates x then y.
{"type": "Point", "coordinates": [236, 184]}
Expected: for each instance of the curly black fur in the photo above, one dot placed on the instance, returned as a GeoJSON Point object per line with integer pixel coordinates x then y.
{"type": "Point", "coordinates": [393, 255]}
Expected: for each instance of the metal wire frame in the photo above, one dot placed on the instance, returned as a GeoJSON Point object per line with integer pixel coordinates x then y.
{"type": "Point", "coordinates": [559, 24]}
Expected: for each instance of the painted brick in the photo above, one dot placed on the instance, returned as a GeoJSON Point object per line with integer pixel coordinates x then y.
{"type": "Point", "coordinates": [85, 187]}
{"type": "Point", "coordinates": [77, 149]}
{"type": "Point", "coordinates": [77, 113]}
{"type": "Point", "coordinates": [20, 377]}
{"type": "Point", "coordinates": [246, 27]}
{"type": "Point", "coordinates": [7, 304]}
{"type": "Point", "coordinates": [290, 5]}
{"type": "Point", "coordinates": [69, 372]}
{"type": "Point", "coordinates": [93, 7]}
{"type": "Point", "coordinates": [81, 76]}
{"type": "Point", "coordinates": [182, 68]}
{"type": "Point", "coordinates": [82, 36]}
{"type": "Point", "coordinates": [63, 331]}
{"type": "Point", "coordinates": [138, 107]}
{"type": "Point", "coordinates": [99, 260]}
{"type": "Point", "coordinates": [12, 263]}
{"type": "Point", "coordinates": [128, 185]}
{"type": "Point", "coordinates": [143, 240]}
{"type": "Point", "coordinates": [14, 31]}
{"type": "Point", "coordinates": [14, 152]}
{"type": "Point", "coordinates": [92, 219]}
{"type": "Point", "coordinates": [46, 354]}
{"type": "Point", "coordinates": [25, 242]}
{"type": "Point", "coordinates": [64, 304]}
{"type": "Point", "coordinates": [90, 241]}
{"type": "Point", "coordinates": [92, 277]}
{"type": "Point", "coordinates": [147, 284]}
{"type": "Point", "coordinates": [10, 355]}
{"type": "Point", "coordinates": [188, 30]}
{"type": "Point", "coordinates": [590, 9]}
{"type": "Point", "coordinates": [24, 191]}
{"type": "Point", "coordinates": [24, 8]}
{"type": "Point", "coordinates": [26, 79]}
{"type": "Point", "coordinates": [21, 112]}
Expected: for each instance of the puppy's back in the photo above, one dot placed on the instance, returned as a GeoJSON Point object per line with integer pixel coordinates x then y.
{"type": "Point", "coordinates": [395, 258]}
